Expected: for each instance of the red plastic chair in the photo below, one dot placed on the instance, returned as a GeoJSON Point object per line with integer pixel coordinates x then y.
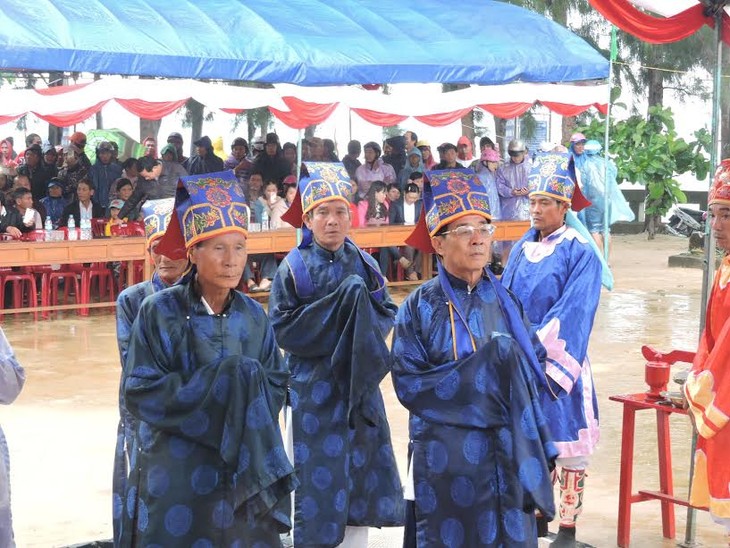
{"type": "Point", "coordinates": [105, 279]}
{"type": "Point", "coordinates": [138, 267]}
{"type": "Point", "coordinates": [23, 288]}
{"type": "Point", "coordinates": [97, 227]}
{"type": "Point", "coordinates": [129, 228]}
{"type": "Point", "coordinates": [50, 285]}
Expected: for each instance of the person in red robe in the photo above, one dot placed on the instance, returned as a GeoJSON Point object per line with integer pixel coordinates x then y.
{"type": "Point", "coordinates": [708, 385]}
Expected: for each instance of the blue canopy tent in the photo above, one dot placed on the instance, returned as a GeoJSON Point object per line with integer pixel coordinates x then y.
{"type": "Point", "coordinates": [305, 42]}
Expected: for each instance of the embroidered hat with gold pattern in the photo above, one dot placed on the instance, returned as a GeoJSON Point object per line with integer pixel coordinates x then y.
{"type": "Point", "coordinates": [448, 195]}
{"type": "Point", "coordinates": [324, 182]}
{"type": "Point", "coordinates": [553, 175]}
{"type": "Point", "coordinates": [205, 206]}
{"type": "Point", "coordinates": [156, 214]}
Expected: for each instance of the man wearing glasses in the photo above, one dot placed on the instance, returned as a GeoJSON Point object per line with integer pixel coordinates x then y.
{"type": "Point", "coordinates": [465, 365]}
{"type": "Point", "coordinates": [557, 277]}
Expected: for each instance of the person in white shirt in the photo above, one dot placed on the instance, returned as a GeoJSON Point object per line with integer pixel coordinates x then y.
{"type": "Point", "coordinates": [406, 211]}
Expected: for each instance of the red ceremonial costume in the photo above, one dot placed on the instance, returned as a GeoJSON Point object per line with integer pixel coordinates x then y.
{"type": "Point", "coordinates": [708, 385]}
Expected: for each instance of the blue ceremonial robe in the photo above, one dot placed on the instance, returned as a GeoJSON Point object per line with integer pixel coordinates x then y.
{"type": "Point", "coordinates": [205, 391]}
{"type": "Point", "coordinates": [558, 281]}
{"type": "Point", "coordinates": [128, 304]}
{"type": "Point", "coordinates": [480, 448]}
{"type": "Point", "coordinates": [331, 314]}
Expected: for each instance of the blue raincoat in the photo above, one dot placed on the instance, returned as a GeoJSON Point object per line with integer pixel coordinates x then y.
{"type": "Point", "coordinates": [593, 179]}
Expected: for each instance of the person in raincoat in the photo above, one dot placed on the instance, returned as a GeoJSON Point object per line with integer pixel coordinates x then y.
{"type": "Point", "coordinates": [595, 179]}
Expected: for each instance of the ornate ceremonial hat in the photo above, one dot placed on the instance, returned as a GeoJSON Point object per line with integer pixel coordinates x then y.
{"type": "Point", "coordinates": [156, 214]}
{"type": "Point", "coordinates": [720, 191]}
{"type": "Point", "coordinates": [448, 195]}
{"type": "Point", "coordinates": [451, 194]}
{"type": "Point", "coordinates": [553, 175]}
{"type": "Point", "coordinates": [205, 206]}
{"type": "Point", "coordinates": [326, 181]}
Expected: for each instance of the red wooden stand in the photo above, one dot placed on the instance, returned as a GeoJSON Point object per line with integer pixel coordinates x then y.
{"type": "Point", "coordinates": [633, 403]}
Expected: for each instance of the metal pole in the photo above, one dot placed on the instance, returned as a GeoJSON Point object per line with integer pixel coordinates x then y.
{"type": "Point", "coordinates": [300, 135]}
{"type": "Point", "coordinates": [606, 197]}
{"type": "Point", "coordinates": [709, 270]}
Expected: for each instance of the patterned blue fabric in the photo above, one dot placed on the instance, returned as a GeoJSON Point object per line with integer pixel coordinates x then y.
{"type": "Point", "coordinates": [208, 205]}
{"type": "Point", "coordinates": [334, 336]}
{"type": "Point", "coordinates": [480, 447]}
{"type": "Point", "coordinates": [453, 193]}
{"type": "Point", "coordinates": [205, 390]}
{"type": "Point", "coordinates": [156, 215]}
{"type": "Point", "coordinates": [128, 304]}
{"type": "Point", "coordinates": [325, 181]}
{"type": "Point", "coordinates": [552, 175]}
{"type": "Point", "coordinates": [558, 280]}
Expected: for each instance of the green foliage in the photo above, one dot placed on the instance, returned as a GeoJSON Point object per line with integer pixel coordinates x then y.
{"type": "Point", "coordinates": [392, 131]}
{"type": "Point", "coordinates": [649, 152]}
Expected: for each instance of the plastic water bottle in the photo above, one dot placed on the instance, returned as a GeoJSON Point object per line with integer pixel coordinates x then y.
{"type": "Point", "coordinates": [72, 228]}
{"type": "Point", "coordinates": [48, 228]}
{"type": "Point", "coordinates": [265, 220]}
{"type": "Point", "coordinates": [86, 229]}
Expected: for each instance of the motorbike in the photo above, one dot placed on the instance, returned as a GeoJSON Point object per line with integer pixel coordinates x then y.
{"type": "Point", "coordinates": [684, 221]}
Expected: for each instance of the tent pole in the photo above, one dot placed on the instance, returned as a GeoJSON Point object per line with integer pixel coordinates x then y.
{"type": "Point", "coordinates": [715, 158]}
{"type": "Point", "coordinates": [300, 135]}
{"type": "Point", "coordinates": [606, 227]}
{"type": "Point", "coordinates": [709, 270]}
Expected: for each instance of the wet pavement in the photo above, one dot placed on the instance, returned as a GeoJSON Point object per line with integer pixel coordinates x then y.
{"type": "Point", "coordinates": [62, 429]}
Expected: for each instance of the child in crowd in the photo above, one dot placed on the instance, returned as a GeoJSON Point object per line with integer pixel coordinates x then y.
{"type": "Point", "coordinates": [114, 208]}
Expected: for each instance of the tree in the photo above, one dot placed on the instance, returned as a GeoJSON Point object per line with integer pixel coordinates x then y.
{"type": "Point", "coordinates": [580, 18]}
{"type": "Point", "coordinates": [653, 155]}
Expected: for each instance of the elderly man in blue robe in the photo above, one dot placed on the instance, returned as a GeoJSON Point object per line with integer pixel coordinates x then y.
{"type": "Point", "coordinates": [331, 313]}
{"type": "Point", "coordinates": [557, 275]}
{"type": "Point", "coordinates": [205, 382]}
{"type": "Point", "coordinates": [465, 365]}
{"type": "Point", "coordinates": [156, 215]}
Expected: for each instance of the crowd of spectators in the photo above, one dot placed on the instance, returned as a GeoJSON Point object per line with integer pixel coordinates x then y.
{"type": "Point", "coordinates": [387, 182]}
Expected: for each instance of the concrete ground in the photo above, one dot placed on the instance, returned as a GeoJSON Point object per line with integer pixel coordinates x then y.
{"type": "Point", "coordinates": [61, 431]}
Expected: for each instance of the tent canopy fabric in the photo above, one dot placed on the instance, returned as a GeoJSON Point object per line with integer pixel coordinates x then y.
{"type": "Point", "coordinates": [304, 42]}
{"type": "Point", "coordinates": [674, 19]}
{"type": "Point", "coordinates": [296, 106]}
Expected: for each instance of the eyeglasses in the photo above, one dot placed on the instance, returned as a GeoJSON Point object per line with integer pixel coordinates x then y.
{"type": "Point", "coordinates": [515, 152]}
{"type": "Point", "coordinates": [467, 231]}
